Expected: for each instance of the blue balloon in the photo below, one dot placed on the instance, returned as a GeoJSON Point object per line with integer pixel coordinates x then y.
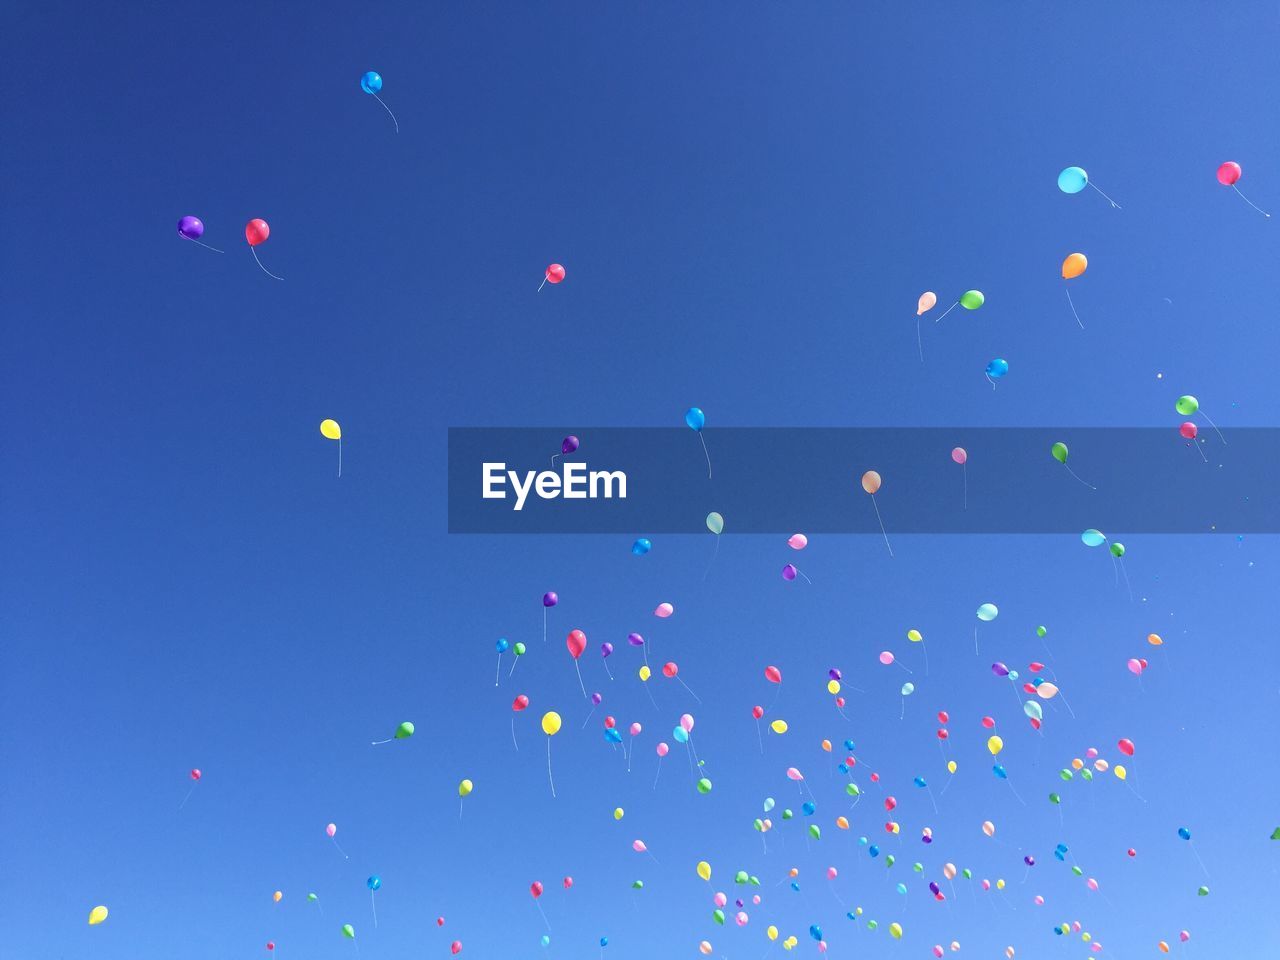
{"type": "Point", "coordinates": [1184, 833]}
{"type": "Point", "coordinates": [1073, 180]}
{"type": "Point", "coordinates": [902, 889]}
{"type": "Point", "coordinates": [873, 850]}
{"type": "Point", "coordinates": [374, 882]}
{"type": "Point", "coordinates": [808, 807]}
{"type": "Point", "coordinates": [795, 885]}
{"type": "Point", "coordinates": [842, 767]}
{"type": "Point", "coordinates": [695, 418]}
{"type": "Point", "coordinates": [612, 735]}
{"type": "Point", "coordinates": [641, 547]}
{"type": "Point", "coordinates": [815, 931]}
{"type": "Point", "coordinates": [1000, 772]}
{"type": "Point", "coordinates": [371, 82]}
{"type": "Point", "coordinates": [920, 782]}
{"type": "Point", "coordinates": [680, 735]}
{"type": "Point", "coordinates": [604, 941]}
{"type": "Point", "coordinates": [848, 745]}
{"type": "Point", "coordinates": [502, 646]}
{"type": "Point", "coordinates": [1093, 538]}
{"type": "Point", "coordinates": [997, 368]}
{"type": "Point", "coordinates": [862, 841]}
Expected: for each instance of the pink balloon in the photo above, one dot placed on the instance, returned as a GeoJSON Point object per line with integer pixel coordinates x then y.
{"type": "Point", "coordinates": [741, 919]}
{"type": "Point", "coordinates": [664, 610]}
{"type": "Point", "coordinates": [555, 273]}
{"type": "Point", "coordinates": [756, 901]}
{"type": "Point", "coordinates": [1184, 936]}
{"type": "Point", "coordinates": [986, 884]}
{"type": "Point", "coordinates": [886, 657]}
{"type": "Point", "coordinates": [638, 846]}
{"type": "Point", "coordinates": [937, 949]}
{"type": "Point", "coordinates": [1189, 430]}
{"type": "Point", "coordinates": [720, 899]}
{"type": "Point", "coordinates": [662, 749]}
{"type": "Point", "coordinates": [635, 729]}
{"type": "Point", "coordinates": [831, 873]}
{"type": "Point", "coordinates": [331, 829]}
{"type": "Point", "coordinates": [959, 456]}
{"type": "Point", "coordinates": [773, 674]}
{"type": "Point", "coordinates": [686, 722]}
{"type": "Point", "coordinates": [797, 541]}
{"type": "Point", "coordinates": [1091, 883]}
{"type": "Point", "coordinates": [822, 946]}
{"type": "Point", "coordinates": [1229, 173]}
{"type": "Point", "coordinates": [1038, 900]}
{"type": "Point", "coordinates": [1135, 667]}
{"type": "Point", "coordinates": [794, 774]}
{"type": "Point", "coordinates": [1091, 752]}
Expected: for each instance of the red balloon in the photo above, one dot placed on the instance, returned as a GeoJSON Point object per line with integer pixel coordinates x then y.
{"type": "Point", "coordinates": [1035, 724]}
{"type": "Point", "coordinates": [1189, 430]}
{"type": "Point", "coordinates": [568, 882]}
{"type": "Point", "coordinates": [535, 888]}
{"type": "Point", "coordinates": [1143, 661]}
{"type": "Point", "coordinates": [1132, 852]}
{"type": "Point", "coordinates": [1029, 687]}
{"type": "Point", "coordinates": [669, 669]}
{"type": "Point", "coordinates": [609, 722]}
{"type": "Point", "coordinates": [439, 921]}
{"type": "Point", "coordinates": [256, 232]}
{"type": "Point", "coordinates": [576, 642]}
{"type": "Point", "coordinates": [1035, 666]}
{"type": "Point", "coordinates": [875, 778]}
{"type": "Point", "coordinates": [943, 733]}
{"type": "Point", "coordinates": [851, 761]}
{"type": "Point", "coordinates": [773, 674]}
{"type": "Point", "coordinates": [455, 947]}
{"type": "Point", "coordinates": [271, 944]}
{"type": "Point", "coordinates": [988, 722]}
{"type": "Point", "coordinates": [890, 802]}
{"type": "Point", "coordinates": [1126, 747]}
{"type": "Point", "coordinates": [555, 273]}
{"type": "Point", "coordinates": [840, 702]}
{"type": "Point", "coordinates": [520, 702]}
{"type": "Point", "coordinates": [195, 774]}
{"type": "Point", "coordinates": [1229, 173]}
{"type": "Point", "coordinates": [943, 716]}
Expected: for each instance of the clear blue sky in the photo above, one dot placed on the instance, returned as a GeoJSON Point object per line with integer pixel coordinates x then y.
{"type": "Point", "coordinates": [748, 199]}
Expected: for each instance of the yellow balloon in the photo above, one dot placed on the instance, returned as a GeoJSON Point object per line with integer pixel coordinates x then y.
{"type": "Point", "coordinates": [1074, 265]}
{"type": "Point", "coordinates": [645, 672]}
{"type": "Point", "coordinates": [895, 930]}
{"type": "Point", "coordinates": [551, 723]}
{"type": "Point", "coordinates": [617, 813]}
{"type": "Point", "coordinates": [1120, 772]}
{"type": "Point", "coordinates": [995, 745]}
{"type": "Point", "coordinates": [277, 896]}
{"type": "Point", "coordinates": [704, 870]}
{"type": "Point", "coordinates": [833, 687]}
{"type": "Point", "coordinates": [927, 301]}
{"type": "Point", "coordinates": [772, 932]}
{"type": "Point", "coordinates": [915, 636]}
{"type": "Point", "coordinates": [466, 786]}
{"type": "Point", "coordinates": [951, 766]}
{"type": "Point", "coordinates": [871, 482]}
{"type": "Point", "coordinates": [999, 884]}
{"type": "Point", "coordinates": [97, 915]}
{"type": "Point", "coordinates": [1086, 936]}
{"type": "Point", "coordinates": [330, 429]}
{"type": "Point", "coordinates": [779, 726]}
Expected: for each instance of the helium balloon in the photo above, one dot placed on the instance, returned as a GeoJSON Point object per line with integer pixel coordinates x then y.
{"type": "Point", "coordinates": [997, 368]}
{"type": "Point", "coordinates": [988, 828]}
{"type": "Point", "coordinates": [1229, 173]}
{"type": "Point", "coordinates": [1033, 710]}
{"type": "Point", "coordinates": [959, 455]}
{"type": "Point", "coordinates": [641, 547]}
{"type": "Point", "coordinates": [1093, 538]}
{"type": "Point", "coordinates": [779, 726]}
{"type": "Point", "coordinates": [871, 481]}
{"type": "Point", "coordinates": [773, 674]}
{"type": "Point", "coordinates": [797, 541]}
{"type": "Point", "coordinates": [908, 689]}
{"type": "Point", "coordinates": [1073, 180]}
{"type": "Point", "coordinates": [374, 882]}
{"type": "Point", "coordinates": [550, 599]}
{"type": "Point", "coordinates": [895, 931]}
{"type": "Point", "coordinates": [995, 745]}
{"type": "Point", "coordinates": [196, 774]}
{"type": "Point", "coordinates": [277, 896]}
{"type": "Point", "coordinates": [256, 232]}
{"type": "Point", "coordinates": [97, 915]}
{"type": "Point", "coordinates": [789, 571]}
{"type": "Point", "coordinates": [1188, 430]}
{"type": "Point", "coordinates": [715, 523]}
{"type": "Point", "coordinates": [465, 787]}
{"type": "Point", "coordinates": [1074, 265]}
{"type": "Point", "coordinates": [704, 870]}
{"type": "Point", "coordinates": [576, 641]}
{"type": "Point", "coordinates": [553, 275]}
{"type": "Point", "coordinates": [404, 731]}
{"type": "Point", "coordinates": [663, 610]}
{"type": "Point", "coordinates": [330, 830]}
{"type": "Point", "coordinates": [1126, 747]}
{"type": "Point", "coordinates": [972, 299]}
{"type": "Point", "coordinates": [456, 947]}
{"type": "Point", "coordinates": [191, 228]}
{"type": "Point", "coordinates": [1117, 550]}
{"type": "Point", "coordinates": [928, 300]}
{"type": "Point", "coordinates": [519, 703]}
{"type": "Point", "coordinates": [988, 612]}
{"type": "Point", "coordinates": [348, 931]}
{"type": "Point", "coordinates": [551, 723]}
{"type": "Point", "coordinates": [695, 419]}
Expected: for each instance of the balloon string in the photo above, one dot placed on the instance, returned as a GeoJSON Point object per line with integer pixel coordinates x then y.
{"type": "Point", "coordinates": [264, 269]}
{"type": "Point", "coordinates": [388, 109]}
{"type": "Point", "coordinates": [760, 738]}
{"type": "Point", "coordinates": [553, 790]}
{"type": "Point", "coordinates": [706, 453]}
{"type": "Point", "coordinates": [497, 670]}
{"type": "Point", "coordinates": [1108, 199]}
{"type": "Point", "coordinates": [925, 647]}
{"type": "Point", "coordinates": [340, 850]}
{"type": "Point", "coordinates": [513, 734]}
{"type": "Point", "coordinates": [948, 310]}
{"type": "Point", "coordinates": [919, 342]}
{"type": "Point", "coordinates": [1127, 585]}
{"type": "Point", "coordinates": [1250, 202]}
{"type": "Point", "coordinates": [513, 667]}
{"type": "Point", "coordinates": [964, 471]}
{"type": "Point", "coordinates": [882, 530]}
{"type": "Point", "coordinates": [205, 245]}
{"type": "Point", "coordinates": [975, 639]}
{"type": "Point", "coordinates": [186, 798]}
{"type": "Point", "coordinates": [691, 693]}
{"type": "Point", "coordinates": [607, 670]}
{"type": "Point", "coordinates": [339, 457]}
{"type": "Point", "coordinates": [1073, 308]}
{"type": "Point", "coordinates": [1215, 427]}
{"type": "Point", "coordinates": [714, 554]}
{"type": "Point", "coordinates": [373, 902]}
{"type": "Point", "coordinates": [544, 624]}
{"type": "Point", "coordinates": [805, 575]}
{"type": "Point", "coordinates": [1073, 473]}
{"type": "Point", "coordinates": [579, 673]}
{"type": "Point", "coordinates": [588, 720]}
{"type": "Point", "coordinates": [989, 380]}
{"type": "Point", "coordinates": [1196, 444]}
{"type": "Point", "coordinates": [658, 774]}
{"type": "Point", "coordinates": [543, 283]}
{"type": "Point", "coordinates": [377, 743]}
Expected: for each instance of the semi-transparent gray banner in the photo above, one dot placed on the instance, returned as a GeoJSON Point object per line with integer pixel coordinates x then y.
{"type": "Point", "coordinates": [776, 480]}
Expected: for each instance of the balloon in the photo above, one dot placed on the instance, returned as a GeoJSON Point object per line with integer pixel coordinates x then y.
{"type": "Point", "coordinates": [465, 787]}
{"type": "Point", "coordinates": [1093, 538]}
{"type": "Point", "coordinates": [1229, 173]}
{"type": "Point", "coordinates": [606, 649]}
{"type": "Point", "coordinates": [695, 419]}
{"type": "Point", "coordinates": [789, 571]}
{"type": "Point", "coordinates": [704, 785]}
{"type": "Point", "coordinates": [794, 774]}
{"type": "Point", "coordinates": [330, 430]}
{"type": "Point", "coordinates": [196, 774]}
{"type": "Point", "coordinates": [555, 273]}
{"type": "Point", "coordinates": [757, 712]}
{"type": "Point", "coordinates": [908, 689]}
{"type": "Point", "coordinates": [1033, 710]}
{"type": "Point", "coordinates": [871, 482]}
{"type": "Point", "coordinates": [635, 639]}
{"type": "Point", "coordinates": [951, 766]}
{"type": "Point", "coordinates": [773, 674]}
{"type": "Point", "coordinates": [1120, 772]}
{"type": "Point", "coordinates": [551, 723]}
{"type": "Point", "coordinates": [928, 300]}
{"type": "Point", "coordinates": [519, 703]}
{"type": "Point", "coordinates": [331, 829]}
{"type": "Point", "coordinates": [576, 641]}
{"type": "Point", "coordinates": [995, 745]}
{"type": "Point", "coordinates": [1059, 451]}
{"type": "Point", "coordinates": [999, 669]}
{"type": "Point", "coordinates": [988, 828]}
{"type": "Point", "coordinates": [312, 898]}
{"type": "Point", "coordinates": [1202, 892]}
{"type": "Point", "coordinates": [715, 523]}
{"type": "Point", "coordinates": [192, 228]}
{"type": "Point", "coordinates": [550, 599]}
{"type": "Point", "coordinates": [686, 723]}
{"type": "Point", "coordinates": [704, 870]}
{"type": "Point", "coordinates": [972, 299]}
{"type": "Point", "coordinates": [1074, 266]}
{"type": "Point", "coordinates": [277, 896]}
{"type": "Point", "coordinates": [895, 931]}
{"type": "Point", "coordinates": [959, 455]}
{"type": "Point", "coordinates": [97, 915]}
{"type": "Point", "coordinates": [988, 612]}
{"type": "Point", "coordinates": [1046, 690]}
{"type": "Point", "coordinates": [371, 82]}
{"type": "Point", "coordinates": [1126, 747]}
{"type": "Point", "coordinates": [374, 882]}
{"type": "Point", "coordinates": [545, 940]}
{"type": "Point", "coordinates": [997, 368]}
{"type": "Point", "coordinates": [404, 731]}
{"type": "Point", "coordinates": [641, 547]}
{"type": "Point", "coordinates": [779, 726]}
{"type": "Point", "coordinates": [1184, 833]}
{"type": "Point", "coordinates": [705, 948]}
{"type": "Point", "coordinates": [1073, 180]}
{"type": "Point", "coordinates": [349, 931]}
{"type": "Point", "coordinates": [569, 444]}
{"type": "Point", "coordinates": [1184, 936]}
{"type": "Point", "coordinates": [455, 947]}
{"type": "Point", "coordinates": [1117, 549]}
{"type": "Point", "coordinates": [1187, 405]}
{"type": "Point", "coordinates": [886, 657]}
{"type": "Point", "coordinates": [662, 749]}
{"type": "Point", "coordinates": [664, 610]}
{"type": "Point", "coordinates": [797, 541]}
{"type": "Point", "coordinates": [1135, 666]}
{"type": "Point", "coordinates": [256, 231]}
{"type": "Point", "coordinates": [1188, 430]}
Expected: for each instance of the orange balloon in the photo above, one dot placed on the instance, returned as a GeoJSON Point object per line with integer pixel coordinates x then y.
{"type": "Point", "coordinates": [871, 482]}
{"type": "Point", "coordinates": [1154, 639]}
{"type": "Point", "coordinates": [1074, 265]}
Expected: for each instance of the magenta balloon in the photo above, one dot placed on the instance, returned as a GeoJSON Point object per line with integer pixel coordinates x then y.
{"type": "Point", "coordinates": [959, 455]}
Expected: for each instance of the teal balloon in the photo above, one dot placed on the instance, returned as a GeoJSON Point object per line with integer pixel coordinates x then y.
{"type": "Point", "coordinates": [679, 734]}
{"type": "Point", "coordinates": [371, 82]}
{"type": "Point", "coordinates": [545, 941]}
{"type": "Point", "coordinates": [902, 889]}
{"type": "Point", "coordinates": [1000, 772]}
{"type": "Point", "coordinates": [1184, 833]}
{"type": "Point", "coordinates": [1033, 710]}
{"type": "Point", "coordinates": [715, 523]}
{"type": "Point", "coordinates": [988, 612]}
{"type": "Point", "coordinates": [374, 882]}
{"type": "Point", "coordinates": [1073, 180]}
{"type": "Point", "coordinates": [908, 689]}
{"type": "Point", "coordinates": [695, 419]}
{"type": "Point", "coordinates": [1093, 538]}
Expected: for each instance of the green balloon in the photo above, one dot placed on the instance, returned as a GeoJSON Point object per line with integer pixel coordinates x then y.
{"type": "Point", "coordinates": [312, 897]}
{"type": "Point", "coordinates": [715, 523]}
{"type": "Point", "coordinates": [718, 916]}
{"type": "Point", "coordinates": [348, 931]}
{"type": "Point", "coordinates": [404, 731]}
{"type": "Point", "coordinates": [1059, 451]}
{"type": "Point", "coordinates": [888, 861]}
{"type": "Point", "coordinates": [637, 884]}
{"type": "Point", "coordinates": [740, 877]}
{"type": "Point", "coordinates": [520, 648]}
{"type": "Point", "coordinates": [1202, 892]}
{"type": "Point", "coordinates": [787, 814]}
{"type": "Point", "coordinates": [918, 867]}
{"type": "Point", "coordinates": [1117, 549]}
{"type": "Point", "coordinates": [755, 881]}
{"type": "Point", "coordinates": [968, 874]}
{"type": "Point", "coordinates": [852, 789]}
{"type": "Point", "coordinates": [1087, 773]}
{"type": "Point", "coordinates": [1275, 834]}
{"type": "Point", "coordinates": [759, 825]}
{"type": "Point", "coordinates": [1065, 774]}
{"type": "Point", "coordinates": [972, 299]}
{"type": "Point", "coordinates": [1187, 405]}
{"type": "Point", "coordinates": [872, 924]}
{"type": "Point", "coordinates": [1077, 871]}
{"type": "Point", "coordinates": [814, 831]}
{"type": "Point", "coordinates": [704, 785]}
{"type": "Point", "coordinates": [1041, 631]}
{"type": "Point", "coordinates": [1054, 798]}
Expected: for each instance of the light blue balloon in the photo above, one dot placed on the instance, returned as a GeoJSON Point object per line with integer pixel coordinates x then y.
{"type": "Point", "coordinates": [768, 804]}
{"type": "Point", "coordinates": [1073, 180]}
{"type": "Point", "coordinates": [641, 547]}
{"type": "Point", "coordinates": [545, 941]}
{"type": "Point", "coordinates": [374, 882]}
{"type": "Point", "coordinates": [371, 82]}
{"type": "Point", "coordinates": [908, 689]}
{"type": "Point", "coordinates": [902, 889]}
{"type": "Point", "coordinates": [1000, 772]}
{"type": "Point", "coordinates": [997, 368]}
{"type": "Point", "coordinates": [988, 612]}
{"type": "Point", "coordinates": [502, 646]}
{"type": "Point", "coordinates": [695, 418]}
{"type": "Point", "coordinates": [1033, 710]}
{"type": "Point", "coordinates": [680, 735]}
{"type": "Point", "coordinates": [612, 735]}
{"type": "Point", "coordinates": [1093, 538]}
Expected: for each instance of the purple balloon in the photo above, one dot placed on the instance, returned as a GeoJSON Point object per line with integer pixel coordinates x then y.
{"type": "Point", "coordinates": [596, 698]}
{"type": "Point", "coordinates": [606, 649]}
{"type": "Point", "coordinates": [999, 669]}
{"type": "Point", "coordinates": [835, 674]}
{"type": "Point", "coordinates": [789, 572]}
{"type": "Point", "coordinates": [550, 599]}
{"type": "Point", "coordinates": [191, 227]}
{"type": "Point", "coordinates": [568, 444]}
{"type": "Point", "coordinates": [635, 639]}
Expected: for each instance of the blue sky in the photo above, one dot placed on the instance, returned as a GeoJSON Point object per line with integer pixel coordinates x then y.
{"type": "Point", "coordinates": [748, 203]}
